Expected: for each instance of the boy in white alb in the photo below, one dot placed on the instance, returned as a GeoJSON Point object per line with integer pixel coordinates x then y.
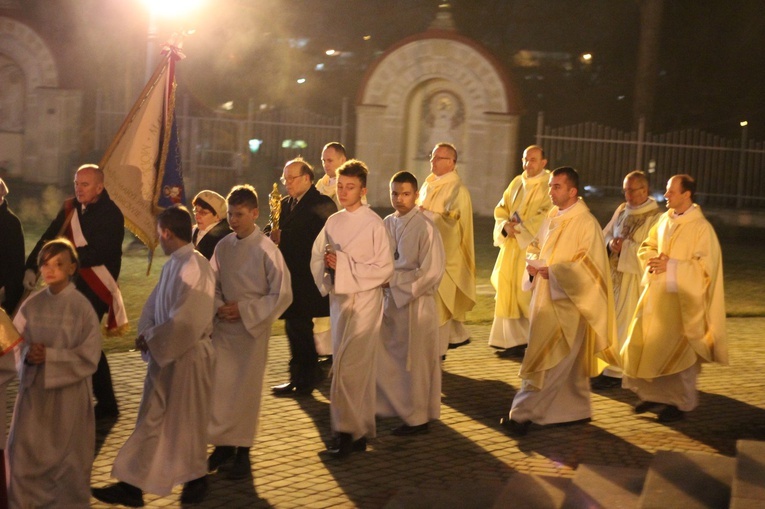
{"type": "Point", "coordinates": [169, 443]}
{"type": "Point", "coordinates": [408, 363]}
{"type": "Point", "coordinates": [252, 290]}
{"type": "Point", "coordinates": [350, 261]}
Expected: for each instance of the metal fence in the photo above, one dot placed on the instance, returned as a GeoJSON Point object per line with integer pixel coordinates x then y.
{"type": "Point", "coordinates": [216, 149]}
{"type": "Point", "coordinates": [729, 172]}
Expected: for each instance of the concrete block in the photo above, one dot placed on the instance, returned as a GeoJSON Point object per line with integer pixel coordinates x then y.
{"type": "Point", "coordinates": [532, 492]}
{"type": "Point", "coordinates": [607, 487]}
{"type": "Point", "coordinates": [691, 480]}
{"type": "Point", "coordinates": [749, 481]}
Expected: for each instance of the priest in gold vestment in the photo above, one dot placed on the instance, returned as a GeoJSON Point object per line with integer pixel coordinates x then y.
{"type": "Point", "coordinates": [448, 205]}
{"type": "Point", "coordinates": [517, 218]}
{"type": "Point", "coordinates": [572, 316]}
{"type": "Point", "coordinates": [679, 323]}
{"type": "Point", "coordinates": [624, 234]}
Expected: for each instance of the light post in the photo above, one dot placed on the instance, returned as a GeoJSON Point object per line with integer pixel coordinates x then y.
{"type": "Point", "coordinates": [162, 9]}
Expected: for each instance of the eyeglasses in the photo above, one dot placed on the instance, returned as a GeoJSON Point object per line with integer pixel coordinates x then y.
{"type": "Point", "coordinates": [632, 189]}
{"type": "Point", "coordinates": [284, 180]}
{"type": "Point", "coordinates": [438, 158]}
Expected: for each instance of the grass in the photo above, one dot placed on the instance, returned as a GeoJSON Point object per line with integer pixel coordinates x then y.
{"type": "Point", "coordinates": [742, 251]}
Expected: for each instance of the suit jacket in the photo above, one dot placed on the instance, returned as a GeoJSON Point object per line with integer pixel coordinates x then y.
{"type": "Point", "coordinates": [11, 258]}
{"type": "Point", "coordinates": [103, 226]}
{"type": "Point", "coordinates": [207, 245]}
{"type": "Point", "coordinates": [299, 228]}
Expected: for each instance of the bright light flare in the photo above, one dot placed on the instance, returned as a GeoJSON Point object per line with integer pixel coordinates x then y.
{"type": "Point", "coordinates": [172, 8]}
{"type": "Point", "coordinates": [330, 52]}
{"type": "Point", "coordinates": [301, 80]}
{"type": "Point", "coordinates": [743, 123]}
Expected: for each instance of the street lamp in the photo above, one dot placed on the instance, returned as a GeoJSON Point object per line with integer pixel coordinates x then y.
{"type": "Point", "coordinates": [162, 9]}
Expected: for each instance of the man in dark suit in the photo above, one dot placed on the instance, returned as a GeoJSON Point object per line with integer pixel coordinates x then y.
{"type": "Point", "coordinates": [303, 215]}
{"type": "Point", "coordinates": [94, 223]}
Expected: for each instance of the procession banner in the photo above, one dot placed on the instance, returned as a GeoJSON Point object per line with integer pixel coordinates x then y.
{"type": "Point", "coordinates": [142, 166]}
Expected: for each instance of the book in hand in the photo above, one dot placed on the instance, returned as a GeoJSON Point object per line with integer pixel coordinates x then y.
{"type": "Point", "coordinates": [516, 218]}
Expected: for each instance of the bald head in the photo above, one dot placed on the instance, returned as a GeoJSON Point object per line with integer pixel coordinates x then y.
{"type": "Point", "coordinates": [88, 184]}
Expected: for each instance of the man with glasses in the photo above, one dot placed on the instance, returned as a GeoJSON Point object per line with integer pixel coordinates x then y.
{"type": "Point", "coordinates": [304, 212]}
{"type": "Point", "coordinates": [628, 228]}
{"type": "Point", "coordinates": [447, 201]}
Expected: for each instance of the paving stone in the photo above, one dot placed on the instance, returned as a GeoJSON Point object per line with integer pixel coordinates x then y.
{"type": "Point", "coordinates": [465, 449]}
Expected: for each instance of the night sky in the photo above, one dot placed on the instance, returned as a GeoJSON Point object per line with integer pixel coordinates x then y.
{"type": "Point", "coordinates": [710, 69]}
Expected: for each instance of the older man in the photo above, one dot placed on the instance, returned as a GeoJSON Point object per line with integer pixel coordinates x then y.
{"type": "Point", "coordinates": [680, 318]}
{"type": "Point", "coordinates": [571, 316]}
{"type": "Point", "coordinates": [625, 232]}
{"type": "Point", "coordinates": [95, 225]}
{"type": "Point", "coordinates": [517, 218]}
{"type": "Point", "coordinates": [448, 204]}
{"type": "Point", "coordinates": [304, 213]}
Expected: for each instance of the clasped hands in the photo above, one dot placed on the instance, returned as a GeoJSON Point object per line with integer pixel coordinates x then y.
{"type": "Point", "coordinates": [36, 354]}
{"type": "Point", "coordinates": [658, 264]}
{"type": "Point", "coordinates": [509, 228]}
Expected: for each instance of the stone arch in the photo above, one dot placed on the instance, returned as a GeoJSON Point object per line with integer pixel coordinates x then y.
{"type": "Point", "coordinates": [42, 146]}
{"type": "Point", "coordinates": [478, 112]}
{"type": "Point", "coordinates": [23, 46]}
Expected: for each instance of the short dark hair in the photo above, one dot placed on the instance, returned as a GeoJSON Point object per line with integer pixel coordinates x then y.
{"type": "Point", "coordinates": [403, 177]}
{"type": "Point", "coordinates": [243, 194]}
{"type": "Point", "coordinates": [57, 246]}
{"type": "Point", "coordinates": [571, 175]}
{"type": "Point", "coordinates": [199, 202]}
{"type": "Point", "coordinates": [687, 183]}
{"type": "Point", "coordinates": [177, 219]}
{"type": "Point", "coordinates": [305, 168]}
{"type": "Point", "coordinates": [339, 147]}
{"type": "Point", "coordinates": [451, 147]}
{"type": "Point", "coordinates": [354, 168]}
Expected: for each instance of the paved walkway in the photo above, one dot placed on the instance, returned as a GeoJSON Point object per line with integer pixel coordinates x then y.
{"type": "Point", "coordinates": [466, 456]}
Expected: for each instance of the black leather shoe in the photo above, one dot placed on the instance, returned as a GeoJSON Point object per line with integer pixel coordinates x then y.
{"type": "Point", "coordinates": [514, 427]}
{"type": "Point", "coordinates": [512, 353]}
{"type": "Point", "coordinates": [120, 493]}
{"type": "Point", "coordinates": [406, 430]}
{"type": "Point", "coordinates": [671, 414]}
{"type": "Point", "coordinates": [452, 346]}
{"type": "Point", "coordinates": [220, 455]}
{"type": "Point", "coordinates": [291, 389]}
{"type": "Point", "coordinates": [646, 406]}
{"type": "Point", "coordinates": [241, 468]}
{"type": "Point", "coordinates": [605, 382]}
{"type": "Point", "coordinates": [194, 491]}
{"type": "Point", "coordinates": [343, 445]}
{"type": "Point", "coordinates": [283, 389]}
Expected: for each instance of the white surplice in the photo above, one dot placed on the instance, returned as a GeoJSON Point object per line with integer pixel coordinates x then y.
{"type": "Point", "coordinates": [364, 263]}
{"type": "Point", "coordinates": [169, 444]}
{"type": "Point", "coordinates": [51, 444]}
{"type": "Point", "coordinates": [631, 224]}
{"type": "Point", "coordinates": [409, 363]}
{"type": "Point", "coordinates": [250, 271]}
